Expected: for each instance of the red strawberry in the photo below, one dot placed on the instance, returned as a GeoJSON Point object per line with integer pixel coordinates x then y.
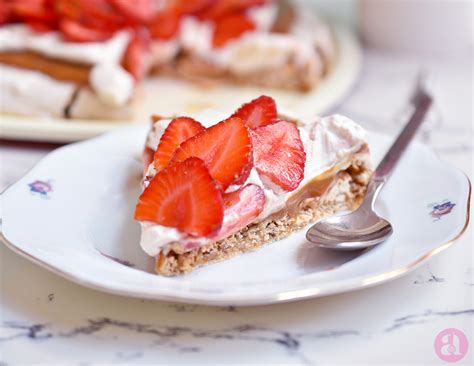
{"type": "Point", "coordinates": [241, 207]}
{"type": "Point", "coordinates": [226, 149]}
{"type": "Point", "coordinates": [137, 58]}
{"type": "Point", "coordinates": [70, 9]}
{"type": "Point", "coordinates": [223, 8]}
{"type": "Point", "coordinates": [34, 10]}
{"type": "Point", "coordinates": [230, 27]}
{"type": "Point", "coordinates": [183, 196]}
{"type": "Point", "coordinates": [259, 112]}
{"type": "Point", "coordinates": [179, 130]}
{"type": "Point", "coordinates": [40, 27]}
{"type": "Point", "coordinates": [77, 32]}
{"type": "Point", "coordinates": [279, 154]}
{"type": "Point", "coordinates": [165, 25]}
{"type": "Point", "coordinates": [101, 9]}
{"type": "Point", "coordinates": [6, 12]}
{"type": "Point", "coordinates": [101, 15]}
{"type": "Point", "coordinates": [136, 11]}
{"type": "Point", "coordinates": [190, 6]}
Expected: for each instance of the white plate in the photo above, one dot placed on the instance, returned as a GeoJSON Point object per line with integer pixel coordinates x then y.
{"type": "Point", "coordinates": [167, 97]}
{"type": "Point", "coordinates": [72, 214]}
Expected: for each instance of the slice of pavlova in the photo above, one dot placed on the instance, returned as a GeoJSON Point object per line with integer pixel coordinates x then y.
{"type": "Point", "coordinates": [216, 189]}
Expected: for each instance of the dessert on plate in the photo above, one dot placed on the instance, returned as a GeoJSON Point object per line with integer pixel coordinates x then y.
{"type": "Point", "coordinates": [85, 58]}
{"type": "Point", "coordinates": [220, 185]}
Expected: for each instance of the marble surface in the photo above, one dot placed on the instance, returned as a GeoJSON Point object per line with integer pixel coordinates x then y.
{"type": "Point", "coordinates": [46, 319]}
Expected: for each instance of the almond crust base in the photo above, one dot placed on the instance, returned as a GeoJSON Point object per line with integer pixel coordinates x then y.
{"type": "Point", "coordinates": [346, 192]}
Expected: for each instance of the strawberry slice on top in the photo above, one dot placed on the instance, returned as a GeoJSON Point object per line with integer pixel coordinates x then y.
{"type": "Point", "coordinates": [137, 59]}
{"type": "Point", "coordinates": [258, 112]}
{"type": "Point", "coordinates": [179, 130]}
{"type": "Point", "coordinates": [28, 10]}
{"type": "Point", "coordinates": [77, 32]}
{"type": "Point", "coordinates": [183, 196]}
{"type": "Point", "coordinates": [241, 207]}
{"type": "Point", "coordinates": [136, 11]}
{"type": "Point", "coordinates": [226, 148]}
{"type": "Point", "coordinates": [230, 27]}
{"type": "Point", "coordinates": [165, 24]}
{"type": "Point", "coordinates": [279, 154]}
{"type": "Point", "coordinates": [219, 9]}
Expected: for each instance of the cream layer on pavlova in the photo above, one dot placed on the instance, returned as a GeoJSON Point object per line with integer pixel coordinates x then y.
{"type": "Point", "coordinates": [206, 181]}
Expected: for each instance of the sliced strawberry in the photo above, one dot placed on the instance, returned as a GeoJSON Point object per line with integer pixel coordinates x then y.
{"type": "Point", "coordinates": [279, 154]}
{"type": "Point", "coordinates": [241, 208]}
{"type": "Point", "coordinates": [190, 6]}
{"type": "Point", "coordinates": [137, 58]}
{"type": "Point", "coordinates": [259, 112]}
{"type": "Point", "coordinates": [165, 25]}
{"type": "Point", "coordinates": [183, 196]}
{"type": "Point", "coordinates": [6, 12]}
{"type": "Point", "coordinates": [137, 11]}
{"type": "Point", "coordinates": [77, 32]}
{"type": "Point", "coordinates": [34, 10]}
{"type": "Point", "coordinates": [179, 130]}
{"type": "Point", "coordinates": [102, 9]}
{"type": "Point", "coordinates": [70, 9]}
{"type": "Point", "coordinates": [230, 27]}
{"type": "Point", "coordinates": [223, 8]}
{"type": "Point", "coordinates": [40, 27]}
{"type": "Point", "coordinates": [226, 149]}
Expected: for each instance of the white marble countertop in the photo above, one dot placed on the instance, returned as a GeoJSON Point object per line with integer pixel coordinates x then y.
{"type": "Point", "coordinates": [47, 319]}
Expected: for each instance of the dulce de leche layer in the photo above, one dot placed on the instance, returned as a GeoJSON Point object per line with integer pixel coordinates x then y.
{"type": "Point", "coordinates": [56, 69]}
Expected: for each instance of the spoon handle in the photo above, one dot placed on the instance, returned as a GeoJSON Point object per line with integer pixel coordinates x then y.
{"type": "Point", "coordinates": [421, 102]}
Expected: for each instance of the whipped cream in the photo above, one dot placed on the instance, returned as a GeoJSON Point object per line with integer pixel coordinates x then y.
{"type": "Point", "coordinates": [163, 52]}
{"type": "Point", "coordinates": [29, 92]}
{"type": "Point", "coordinates": [327, 142]}
{"type": "Point", "coordinates": [111, 83]}
{"type": "Point", "coordinates": [263, 16]}
{"type": "Point", "coordinates": [19, 37]}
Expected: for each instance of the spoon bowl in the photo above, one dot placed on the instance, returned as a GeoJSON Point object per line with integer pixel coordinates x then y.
{"type": "Point", "coordinates": [357, 230]}
{"type": "Point", "coordinates": [363, 228]}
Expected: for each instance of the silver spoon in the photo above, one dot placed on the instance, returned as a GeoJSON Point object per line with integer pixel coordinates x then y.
{"type": "Point", "coordinates": [363, 228]}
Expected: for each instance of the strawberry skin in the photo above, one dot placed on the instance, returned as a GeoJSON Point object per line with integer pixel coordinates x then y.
{"type": "Point", "coordinates": [230, 27]}
{"type": "Point", "coordinates": [279, 154]}
{"type": "Point", "coordinates": [32, 10]}
{"type": "Point", "coordinates": [179, 130]}
{"type": "Point", "coordinates": [136, 11]}
{"type": "Point", "coordinates": [259, 112]}
{"type": "Point", "coordinates": [191, 6]}
{"type": "Point", "coordinates": [183, 196]}
{"type": "Point", "coordinates": [219, 9]}
{"type": "Point", "coordinates": [226, 149]}
{"type": "Point", "coordinates": [137, 59]}
{"type": "Point", "coordinates": [165, 25]}
{"type": "Point", "coordinates": [77, 32]}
